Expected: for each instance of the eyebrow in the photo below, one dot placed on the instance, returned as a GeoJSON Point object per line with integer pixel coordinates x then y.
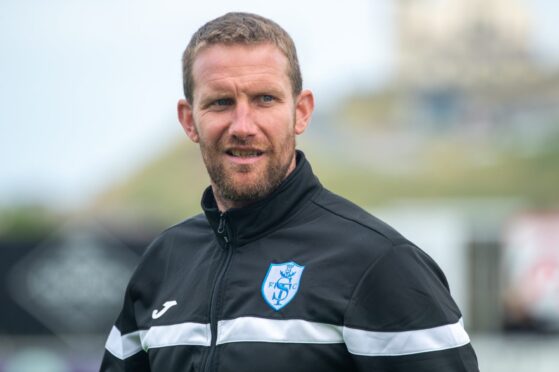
{"type": "Point", "coordinates": [218, 91]}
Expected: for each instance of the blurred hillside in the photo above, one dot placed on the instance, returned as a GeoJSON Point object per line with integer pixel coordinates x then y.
{"type": "Point", "coordinates": [166, 190]}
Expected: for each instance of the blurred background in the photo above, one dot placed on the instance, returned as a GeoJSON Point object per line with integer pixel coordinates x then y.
{"type": "Point", "coordinates": [439, 116]}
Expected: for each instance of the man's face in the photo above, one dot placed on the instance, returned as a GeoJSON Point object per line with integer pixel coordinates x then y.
{"type": "Point", "coordinates": [245, 118]}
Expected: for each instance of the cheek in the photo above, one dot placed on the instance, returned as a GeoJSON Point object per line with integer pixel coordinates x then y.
{"type": "Point", "coordinates": [209, 130]}
{"type": "Point", "coordinates": [278, 124]}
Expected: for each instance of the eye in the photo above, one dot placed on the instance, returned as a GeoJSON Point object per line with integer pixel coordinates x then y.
{"type": "Point", "coordinates": [266, 98]}
{"type": "Point", "coordinates": [223, 102]}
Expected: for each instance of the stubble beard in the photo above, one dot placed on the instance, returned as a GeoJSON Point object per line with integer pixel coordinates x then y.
{"type": "Point", "coordinates": [268, 179]}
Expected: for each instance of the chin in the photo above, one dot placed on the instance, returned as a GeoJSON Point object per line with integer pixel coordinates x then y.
{"type": "Point", "coordinates": [245, 183]}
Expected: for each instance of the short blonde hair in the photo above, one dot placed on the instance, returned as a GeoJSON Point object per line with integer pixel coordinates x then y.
{"type": "Point", "coordinates": [240, 28]}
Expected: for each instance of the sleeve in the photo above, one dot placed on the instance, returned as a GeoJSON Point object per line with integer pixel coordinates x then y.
{"type": "Point", "coordinates": [123, 349]}
{"type": "Point", "coordinates": [402, 318]}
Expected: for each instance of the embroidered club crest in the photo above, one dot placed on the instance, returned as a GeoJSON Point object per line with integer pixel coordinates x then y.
{"type": "Point", "coordinates": [281, 283]}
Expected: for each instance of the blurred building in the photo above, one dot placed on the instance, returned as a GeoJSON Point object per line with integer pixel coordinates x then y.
{"type": "Point", "coordinates": [462, 43]}
{"type": "Point", "coordinates": [468, 68]}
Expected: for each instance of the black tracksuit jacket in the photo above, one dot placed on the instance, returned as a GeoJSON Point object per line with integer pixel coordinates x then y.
{"type": "Point", "coordinates": [301, 281]}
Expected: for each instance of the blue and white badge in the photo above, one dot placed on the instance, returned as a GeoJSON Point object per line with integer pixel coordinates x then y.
{"type": "Point", "coordinates": [281, 283]}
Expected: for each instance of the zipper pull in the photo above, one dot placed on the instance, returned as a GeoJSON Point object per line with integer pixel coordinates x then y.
{"type": "Point", "coordinates": [221, 228]}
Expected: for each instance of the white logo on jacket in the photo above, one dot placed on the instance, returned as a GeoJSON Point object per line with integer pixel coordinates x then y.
{"type": "Point", "coordinates": [166, 306]}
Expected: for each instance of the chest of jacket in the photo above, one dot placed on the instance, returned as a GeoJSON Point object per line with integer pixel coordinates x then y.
{"type": "Point", "coordinates": [264, 302]}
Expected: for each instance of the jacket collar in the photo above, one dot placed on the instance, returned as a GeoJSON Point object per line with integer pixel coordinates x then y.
{"type": "Point", "coordinates": [239, 226]}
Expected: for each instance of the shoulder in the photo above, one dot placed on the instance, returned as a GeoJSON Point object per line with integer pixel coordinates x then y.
{"type": "Point", "coordinates": [185, 235]}
{"type": "Point", "coordinates": [189, 229]}
{"type": "Point", "coordinates": [403, 287]}
{"type": "Point", "coordinates": [394, 271]}
{"type": "Point", "coordinates": [359, 219]}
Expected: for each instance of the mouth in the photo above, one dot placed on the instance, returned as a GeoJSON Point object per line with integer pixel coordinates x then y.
{"type": "Point", "coordinates": [244, 153]}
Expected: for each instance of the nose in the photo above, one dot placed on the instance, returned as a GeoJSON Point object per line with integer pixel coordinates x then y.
{"type": "Point", "coordinates": [242, 123]}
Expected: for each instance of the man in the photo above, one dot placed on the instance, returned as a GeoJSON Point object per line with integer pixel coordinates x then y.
{"type": "Point", "coordinates": [278, 274]}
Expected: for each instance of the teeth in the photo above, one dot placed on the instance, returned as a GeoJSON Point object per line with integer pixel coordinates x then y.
{"type": "Point", "coordinates": [245, 153]}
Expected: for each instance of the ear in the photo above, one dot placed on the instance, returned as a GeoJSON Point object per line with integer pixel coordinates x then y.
{"type": "Point", "coordinates": [304, 107]}
{"type": "Point", "coordinates": [184, 110]}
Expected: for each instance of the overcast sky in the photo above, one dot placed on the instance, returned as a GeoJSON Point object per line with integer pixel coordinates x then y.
{"type": "Point", "coordinates": [88, 88]}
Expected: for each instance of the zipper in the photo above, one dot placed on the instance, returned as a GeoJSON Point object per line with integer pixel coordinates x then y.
{"type": "Point", "coordinates": [216, 290]}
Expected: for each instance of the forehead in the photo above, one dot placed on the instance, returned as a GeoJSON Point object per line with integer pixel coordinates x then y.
{"type": "Point", "coordinates": [221, 64]}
